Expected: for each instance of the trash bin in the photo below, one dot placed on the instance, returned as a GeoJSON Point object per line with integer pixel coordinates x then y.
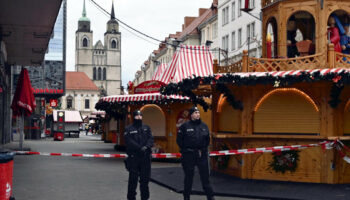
{"type": "Point", "coordinates": [6, 173]}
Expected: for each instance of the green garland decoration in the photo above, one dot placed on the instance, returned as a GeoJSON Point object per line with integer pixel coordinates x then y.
{"type": "Point", "coordinates": [187, 85]}
{"type": "Point", "coordinates": [222, 161]}
{"type": "Point", "coordinates": [230, 98]}
{"type": "Point", "coordinates": [285, 161]}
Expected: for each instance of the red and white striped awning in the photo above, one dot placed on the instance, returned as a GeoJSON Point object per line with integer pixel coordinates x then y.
{"type": "Point", "coordinates": [282, 74]}
{"type": "Point", "coordinates": [142, 97]}
{"type": "Point", "coordinates": [187, 62]}
{"type": "Point", "coordinates": [158, 74]}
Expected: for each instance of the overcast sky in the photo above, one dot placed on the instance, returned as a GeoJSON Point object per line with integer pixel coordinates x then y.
{"type": "Point", "coordinates": [157, 18]}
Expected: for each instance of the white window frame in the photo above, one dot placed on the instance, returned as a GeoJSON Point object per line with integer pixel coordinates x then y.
{"type": "Point", "coordinates": [239, 8]}
{"type": "Point", "coordinates": [233, 11]}
{"type": "Point", "coordinates": [225, 41]}
{"type": "Point", "coordinates": [214, 29]}
{"type": "Point", "coordinates": [239, 37]}
{"type": "Point", "coordinates": [252, 4]}
{"type": "Point", "coordinates": [225, 15]}
{"type": "Point", "coordinates": [233, 40]}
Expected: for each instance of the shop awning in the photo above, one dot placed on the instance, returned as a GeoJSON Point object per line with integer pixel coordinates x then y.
{"type": "Point", "coordinates": [187, 62]}
{"type": "Point", "coordinates": [97, 114]}
{"type": "Point", "coordinates": [142, 98]}
{"type": "Point", "coordinates": [69, 116]}
{"type": "Point", "coordinates": [26, 28]}
{"type": "Point", "coordinates": [283, 74]}
{"type": "Point", "coordinates": [158, 74]}
{"type": "Point", "coordinates": [337, 76]}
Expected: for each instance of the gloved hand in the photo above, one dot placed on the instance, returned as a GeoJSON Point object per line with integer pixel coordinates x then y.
{"type": "Point", "coordinates": [144, 149]}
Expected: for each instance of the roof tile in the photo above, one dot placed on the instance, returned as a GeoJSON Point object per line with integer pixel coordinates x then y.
{"type": "Point", "coordinates": [79, 81]}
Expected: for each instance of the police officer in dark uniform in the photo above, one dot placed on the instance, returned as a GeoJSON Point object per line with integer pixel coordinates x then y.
{"type": "Point", "coordinates": [139, 141]}
{"type": "Point", "coordinates": [193, 139]}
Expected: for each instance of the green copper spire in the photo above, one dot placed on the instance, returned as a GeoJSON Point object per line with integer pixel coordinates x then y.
{"type": "Point", "coordinates": [112, 13]}
{"type": "Point", "coordinates": [84, 18]}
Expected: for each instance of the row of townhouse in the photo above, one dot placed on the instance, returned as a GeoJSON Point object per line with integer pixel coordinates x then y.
{"type": "Point", "coordinates": [224, 26]}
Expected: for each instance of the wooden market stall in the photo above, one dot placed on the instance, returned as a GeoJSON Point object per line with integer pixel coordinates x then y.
{"type": "Point", "coordinates": [300, 94]}
{"type": "Point", "coordinates": [164, 114]}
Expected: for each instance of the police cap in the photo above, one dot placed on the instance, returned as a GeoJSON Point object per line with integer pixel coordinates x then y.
{"type": "Point", "coordinates": [137, 112]}
{"type": "Point", "coordinates": [193, 109]}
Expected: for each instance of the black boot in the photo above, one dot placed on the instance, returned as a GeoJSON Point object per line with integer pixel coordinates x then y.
{"type": "Point", "coordinates": [210, 198]}
{"type": "Point", "coordinates": [186, 197]}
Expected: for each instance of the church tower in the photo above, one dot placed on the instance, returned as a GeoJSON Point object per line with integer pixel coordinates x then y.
{"type": "Point", "coordinates": [102, 61]}
{"type": "Point", "coordinates": [83, 45]}
{"type": "Point", "coordinates": [112, 43]}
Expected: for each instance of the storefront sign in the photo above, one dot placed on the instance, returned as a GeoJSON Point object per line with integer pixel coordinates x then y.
{"type": "Point", "coordinates": [148, 87]}
{"type": "Point", "coordinates": [53, 103]}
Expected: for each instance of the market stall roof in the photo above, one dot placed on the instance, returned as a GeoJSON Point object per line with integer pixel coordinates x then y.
{"type": "Point", "coordinates": [97, 114]}
{"type": "Point", "coordinates": [69, 116]}
{"type": "Point", "coordinates": [276, 78]}
{"type": "Point", "coordinates": [188, 61]}
{"type": "Point", "coordinates": [159, 72]}
{"type": "Point", "coordinates": [142, 98]}
{"type": "Point", "coordinates": [284, 74]}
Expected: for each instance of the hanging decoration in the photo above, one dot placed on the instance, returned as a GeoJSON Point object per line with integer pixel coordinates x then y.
{"type": "Point", "coordinates": [285, 161]}
{"type": "Point", "coordinates": [339, 79]}
{"type": "Point", "coordinates": [230, 98]}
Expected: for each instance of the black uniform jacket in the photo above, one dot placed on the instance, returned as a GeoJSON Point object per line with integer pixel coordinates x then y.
{"type": "Point", "coordinates": [136, 137]}
{"type": "Point", "coordinates": [193, 135]}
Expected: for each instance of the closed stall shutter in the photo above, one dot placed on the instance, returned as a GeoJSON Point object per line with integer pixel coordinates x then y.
{"type": "Point", "coordinates": [287, 113]}
{"type": "Point", "coordinates": [228, 119]}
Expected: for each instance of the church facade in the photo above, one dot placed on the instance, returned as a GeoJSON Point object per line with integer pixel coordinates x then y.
{"type": "Point", "coordinates": [100, 61]}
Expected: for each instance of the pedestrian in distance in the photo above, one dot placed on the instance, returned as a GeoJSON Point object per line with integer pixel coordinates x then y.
{"type": "Point", "coordinates": [193, 138]}
{"type": "Point", "coordinates": [139, 141]}
{"type": "Point", "coordinates": [86, 129]}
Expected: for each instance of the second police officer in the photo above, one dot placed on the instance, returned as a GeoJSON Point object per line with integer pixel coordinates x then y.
{"type": "Point", "coordinates": [193, 138]}
{"type": "Point", "coordinates": [139, 141]}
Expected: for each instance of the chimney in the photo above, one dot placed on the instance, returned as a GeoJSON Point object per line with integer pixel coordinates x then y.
{"type": "Point", "coordinates": [201, 11]}
{"type": "Point", "coordinates": [188, 21]}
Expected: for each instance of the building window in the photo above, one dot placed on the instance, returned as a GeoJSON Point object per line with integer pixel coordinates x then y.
{"type": "Point", "coordinates": [250, 31]}
{"type": "Point", "coordinates": [104, 74]}
{"type": "Point", "coordinates": [239, 8]}
{"type": "Point", "coordinates": [203, 35]}
{"type": "Point", "coordinates": [233, 40]}
{"type": "Point", "coordinates": [233, 11]}
{"type": "Point", "coordinates": [225, 43]}
{"type": "Point", "coordinates": [239, 37]}
{"type": "Point", "coordinates": [85, 42]}
{"type": "Point", "coordinates": [252, 4]}
{"type": "Point", "coordinates": [99, 74]}
{"type": "Point", "coordinates": [69, 102]}
{"type": "Point", "coordinates": [225, 15]}
{"type": "Point", "coordinates": [113, 44]}
{"type": "Point", "coordinates": [94, 73]}
{"type": "Point", "coordinates": [215, 30]}
{"type": "Point", "coordinates": [87, 103]}
{"type": "Point", "coordinates": [208, 34]}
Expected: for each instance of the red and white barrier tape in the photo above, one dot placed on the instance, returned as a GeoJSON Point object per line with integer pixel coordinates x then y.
{"type": "Point", "coordinates": [339, 145]}
{"type": "Point", "coordinates": [324, 144]}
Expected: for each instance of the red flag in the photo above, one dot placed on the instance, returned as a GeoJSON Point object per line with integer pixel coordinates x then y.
{"type": "Point", "coordinates": [23, 100]}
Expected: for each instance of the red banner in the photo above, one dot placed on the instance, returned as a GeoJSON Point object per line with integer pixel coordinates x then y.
{"type": "Point", "coordinates": [148, 87]}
